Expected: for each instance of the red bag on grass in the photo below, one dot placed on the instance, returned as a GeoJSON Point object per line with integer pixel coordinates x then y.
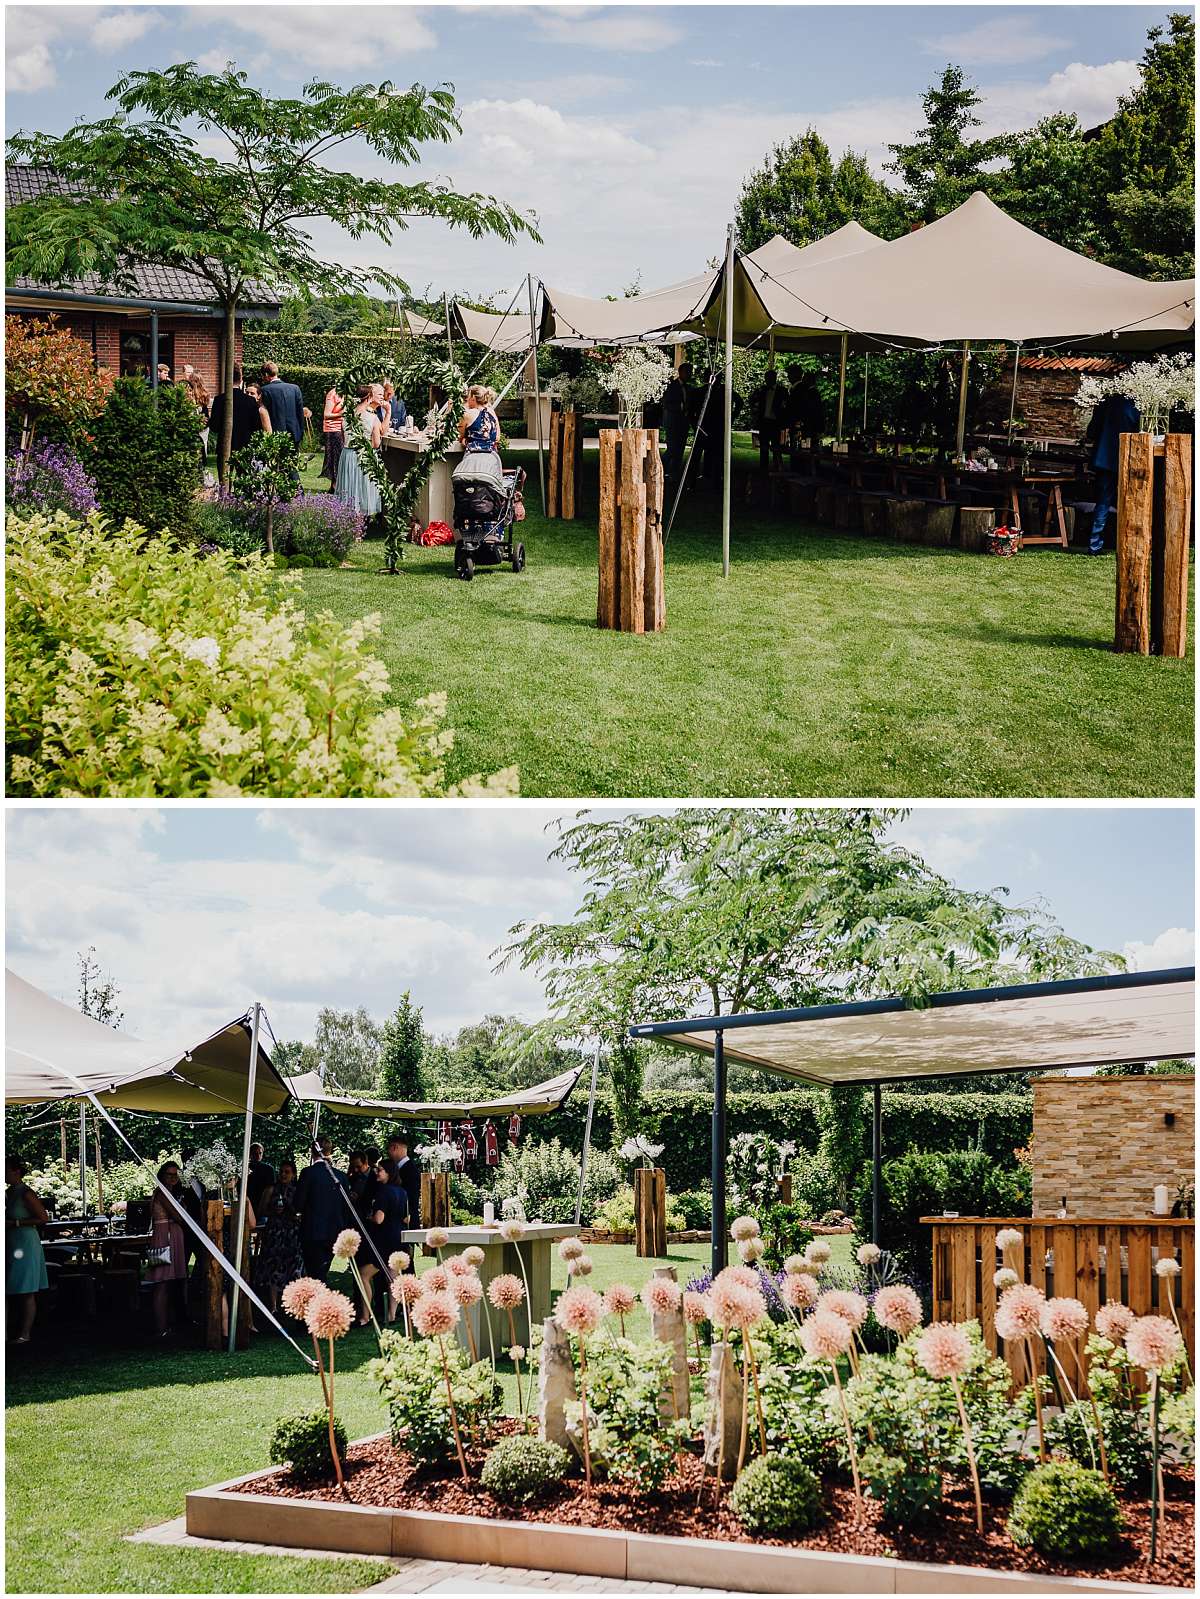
{"type": "Point", "coordinates": [437, 533]}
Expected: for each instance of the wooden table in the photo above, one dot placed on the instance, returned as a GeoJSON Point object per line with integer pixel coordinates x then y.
{"type": "Point", "coordinates": [436, 502]}
{"type": "Point", "coordinates": [1007, 486]}
{"type": "Point", "coordinates": [498, 1257]}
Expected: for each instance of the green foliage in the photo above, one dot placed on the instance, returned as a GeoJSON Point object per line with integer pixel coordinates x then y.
{"type": "Point", "coordinates": [1177, 1418]}
{"type": "Point", "coordinates": [138, 668]}
{"type": "Point", "coordinates": [800, 1421]}
{"type": "Point", "coordinates": [617, 1213]}
{"type": "Point", "coordinates": [1123, 1409]}
{"type": "Point", "coordinates": [264, 474]}
{"type": "Point", "coordinates": [411, 1380]}
{"type": "Point", "coordinates": [695, 1207]}
{"type": "Point", "coordinates": [57, 1184]}
{"type": "Point", "coordinates": [51, 383]}
{"type": "Point", "coordinates": [545, 1176]}
{"type": "Point", "coordinates": [302, 1442]}
{"type": "Point", "coordinates": [776, 1495]}
{"type": "Point", "coordinates": [521, 1469]}
{"type": "Point", "coordinates": [785, 1231]}
{"type": "Point", "coordinates": [1050, 184]}
{"type": "Point", "coordinates": [813, 1186]}
{"type": "Point", "coordinates": [943, 163]}
{"type": "Point", "coordinates": [334, 351]}
{"type": "Point", "coordinates": [1065, 1509]}
{"type": "Point", "coordinates": [845, 1128]}
{"type": "Point", "coordinates": [926, 1183]}
{"type": "Point", "coordinates": [220, 523]}
{"type": "Point", "coordinates": [403, 1045]}
{"type": "Point", "coordinates": [145, 457]}
{"type": "Point", "coordinates": [800, 193]}
{"type": "Point", "coordinates": [753, 1166]}
{"type": "Point", "coordinates": [908, 1491]}
{"type": "Point", "coordinates": [627, 1437]}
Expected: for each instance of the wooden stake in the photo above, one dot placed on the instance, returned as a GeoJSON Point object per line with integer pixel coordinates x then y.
{"type": "Point", "coordinates": [1177, 524]}
{"type": "Point", "coordinates": [1135, 519]}
{"type": "Point", "coordinates": [655, 598]}
{"type": "Point", "coordinates": [632, 551]}
{"type": "Point", "coordinates": [608, 601]}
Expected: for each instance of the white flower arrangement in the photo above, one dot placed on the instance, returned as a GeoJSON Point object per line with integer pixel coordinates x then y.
{"type": "Point", "coordinates": [639, 375]}
{"type": "Point", "coordinates": [640, 1148]}
{"type": "Point", "coordinates": [1156, 387]}
{"type": "Point", "coordinates": [438, 1157]}
{"type": "Point", "coordinates": [213, 1167]}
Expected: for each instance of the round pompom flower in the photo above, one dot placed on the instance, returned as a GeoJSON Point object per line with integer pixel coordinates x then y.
{"type": "Point", "coordinates": [898, 1308]}
{"type": "Point", "coordinates": [435, 1315]}
{"type": "Point", "coordinates": [570, 1248]}
{"type": "Point", "coordinates": [1006, 1277]}
{"type": "Point", "coordinates": [581, 1266]}
{"type": "Point", "coordinates": [797, 1263]}
{"type": "Point", "coordinates": [661, 1295]}
{"type": "Point", "coordinates": [739, 1307]}
{"type": "Point", "coordinates": [1114, 1320]}
{"type": "Point", "coordinates": [1008, 1237]}
{"type": "Point", "coordinates": [466, 1290]}
{"type": "Point", "coordinates": [437, 1238]}
{"type": "Point", "coordinates": [458, 1266]}
{"type": "Point", "coordinates": [516, 1352]}
{"type": "Point", "coordinates": [751, 1249]}
{"type": "Point", "coordinates": [695, 1308]}
{"type": "Point", "coordinates": [579, 1310]}
{"type": "Point", "coordinates": [851, 1307]}
{"type": "Point", "coordinates": [506, 1291]}
{"type": "Point", "coordinates": [944, 1350]}
{"type": "Point", "coordinates": [1153, 1342]}
{"type": "Point", "coordinates": [746, 1276]}
{"type": "Point", "coordinates": [473, 1255]}
{"type": "Point", "coordinates": [824, 1335]}
{"type": "Point", "coordinates": [1168, 1266]}
{"type": "Point", "coordinates": [798, 1291]}
{"type": "Point", "coordinates": [399, 1260]}
{"type": "Point", "coordinates": [1063, 1320]}
{"type": "Point", "coordinates": [296, 1296]}
{"type": "Point", "coordinates": [345, 1245]}
{"type": "Point", "coordinates": [329, 1315]}
{"type": "Point", "coordinates": [437, 1279]}
{"type": "Point", "coordinates": [869, 1255]}
{"type": "Point", "coordinates": [745, 1227]}
{"type": "Point", "coordinates": [408, 1289]}
{"type": "Point", "coordinates": [620, 1300]}
{"type": "Point", "coordinates": [511, 1229]}
{"type": "Point", "coordinates": [1019, 1312]}
{"type": "Point", "coordinates": [818, 1253]}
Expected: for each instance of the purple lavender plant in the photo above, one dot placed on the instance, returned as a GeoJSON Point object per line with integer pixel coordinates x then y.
{"type": "Point", "coordinates": [48, 477]}
{"type": "Point", "coordinates": [320, 526]}
{"type": "Point", "coordinates": [768, 1282]}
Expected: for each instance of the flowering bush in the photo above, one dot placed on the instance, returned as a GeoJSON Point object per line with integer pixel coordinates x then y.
{"type": "Point", "coordinates": [57, 1185]}
{"type": "Point", "coordinates": [220, 522]}
{"type": "Point", "coordinates": [411, 1379]}
{"type": "Point", "coordinates": [616, 1214]}
{"type": "Point", "coordinates": [139, 668]}
{"type": "Point", "coordinates": [545, 1176]}
{"type": "Point", "coordinates": [1156, 387]}
{"type": "Point", "coordinates": [318, 527]}
{"type": "Point", "coordinates": [212, 1167]}
{"type": "Point", "coordinates": [50, 377]}
{"type": "Point", "coordinates": [628, 1439]}
{"type": "Point", "coordinates": [48, 477]}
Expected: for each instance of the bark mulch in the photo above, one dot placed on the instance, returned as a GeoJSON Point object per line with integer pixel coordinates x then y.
{"type": "Point", "coordinates": [378, 1474]}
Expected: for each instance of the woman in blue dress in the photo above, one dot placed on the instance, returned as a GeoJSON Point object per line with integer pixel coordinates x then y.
{"type": "Point", "coordinates": [479, 435]}
{"type": "Point", "coordinates": [26, 1275]}
{"type": "Point", "coordinates": [385, 1226]}
{"type": "Point", "coordinates": [363, 426]}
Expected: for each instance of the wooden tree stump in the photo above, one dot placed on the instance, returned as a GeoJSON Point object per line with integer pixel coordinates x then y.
{"type": "Point", "coordinates": [1135, 521]}
{"type": "Point", "coordinates": [1177, 527]}
{"type": "Point", "coordinates": [874, 515]}
{"type": "Point", "coordinates": [939, 524]}
{"type": "Point", "coordinates": [435, 1199]}
{"type": "Point", "coordinates": [650, 1211]}
{"type": "Point", "coordinates": [975, 522]}
{"type": "Point", "coordinates": [826, 503]}
{"type": "Point", "coordinates": [630, 597]}
{"type": "Point", "coordinates": [566, 464]}
{"type": "Point", "coordinates": [906, 520]}
{"type": "Point", "coordinates": [802, 500]}
{"type": "Point", "coordinates": [847, 513]}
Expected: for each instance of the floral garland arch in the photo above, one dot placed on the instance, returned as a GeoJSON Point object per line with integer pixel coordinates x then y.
{"type": "Point", "coordinates": [399, 500]}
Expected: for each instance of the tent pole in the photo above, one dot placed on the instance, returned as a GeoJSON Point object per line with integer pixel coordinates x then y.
{"type": "Point", "coordinates": [842, 387]}
{"type": "Point", "coordinates": [866, 381]}
{"type": "Point", "coordinates": [83, 1160]}
{"type": "Point", "coordinates": [876, 1145]}
{"type": "Point", "coordinates": [537, 390]}
{"type": "Point", "coordinates": [243, 1194]}
{"type": "Point", "coordinates": [726, 492]}
{"type": "Point", "coordinates": [1012, 402]}
{"type": "Point", "coordinates": [449, 337]}
{"type": "Point", "coordinates": [718, 1153]}
{"type": "Point", "coordinates": [99, 1168]}
{"type": "Point", "coordinates": [962, 402]}
{"type": "Point", "coordinates": [587, 1133]}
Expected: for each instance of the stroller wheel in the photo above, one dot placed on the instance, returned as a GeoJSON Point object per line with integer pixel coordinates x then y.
{"type": "Point", "coordinates": [466, 569]}
{"type": "Point", "coordinates": [518, 558]}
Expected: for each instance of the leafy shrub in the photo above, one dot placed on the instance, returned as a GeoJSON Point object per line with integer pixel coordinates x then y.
{"type": "Point", "coordinates": [145, 456]}
{"type": "Point", "coordinates": [925, 1184]}
{"type": "Point", "coordinates": [1177, 1418]}
{"type": "Point", "coordinates": [410, 1378]}
{"type": "Point", "coordinates": [51, 382]}
{"type": "Point", "coordinates": [785, 1231]}
{"type": "Point", "coordinates": [57, 1185]}
{"type": "Point", "coordinates": [617, 1213]}
{"type": "Point", "coordinates": [907, 1490]}
{"type": "Point", "coordinates": [333, 350]}
{"type": "Point", "coordinates": [1124, 1419]}
{"type": "Point", "coordinates": [545, 1177]}
{"type": "Point", "coordinates": [627, 1437]}
{"type": "Point", "coordinates": [319, 527]}
{"type": "Point", "coordinates": [520, 1469]}
{"type": "Point", "coordinates": [776, 1495]}
{"type": "Point", "coordinates": [302, 1442]}
{"type": "Point", "coordinates": [140, 668]}
{"type": "Point", "coordinates": [753, 1167]}
{"type": "Point", "coordinates": [220, 523]}
{"type": "Point", "coordinates": [695, 1206]}
{"type": "Point", "coordinates": [1065, 1509]}
{"type": "Point", "coordinates": [799, 1423]}
{"type": "Point", "coordinates": [48, 477]}
{"type": "Point", "coordinates": [813, 1186]}
{"type": "Point", "coordinates": [264, 474]}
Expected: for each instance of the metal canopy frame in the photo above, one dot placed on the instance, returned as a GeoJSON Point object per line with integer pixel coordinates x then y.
{"type": "Point", "coordinates": [677, 1033]}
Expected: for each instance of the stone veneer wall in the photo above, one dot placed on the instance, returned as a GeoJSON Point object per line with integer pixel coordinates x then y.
{"type": "Point", "coordinates": [1103, 1142]}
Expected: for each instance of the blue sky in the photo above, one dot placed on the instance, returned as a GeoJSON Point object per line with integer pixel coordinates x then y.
{"type": "Point", "coordinates": [628, 129]}
{"type": "Point", "coordinates": [196, 912]}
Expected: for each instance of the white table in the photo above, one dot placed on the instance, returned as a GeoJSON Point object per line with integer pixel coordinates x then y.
{"type": "Point", "coordinates": [534, 1248]}
{"type": "Point", "coordinates": [400, 454]}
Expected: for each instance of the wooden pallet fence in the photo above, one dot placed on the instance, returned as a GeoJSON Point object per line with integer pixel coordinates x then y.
{"type": "Point", "coordinates": [1092, 1259]}
{"type": "Point", "coordinates": [650, 1211]}
{"type": "Point", "coordinates": [630, 596]}
{"type": "Point", "coordinates": [1154, 521]}
{"type": "Point", "coordinates": [566, 464]}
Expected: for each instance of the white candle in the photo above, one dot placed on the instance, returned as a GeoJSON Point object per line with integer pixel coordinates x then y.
{"type": "Point", "coordinates": [489, 1213]}
{"type": "Point", "coordinates": [1161, 1207]}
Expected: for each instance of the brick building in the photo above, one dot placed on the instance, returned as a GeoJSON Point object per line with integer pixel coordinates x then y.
{"type": "Point", "coordinates": [167, 317]}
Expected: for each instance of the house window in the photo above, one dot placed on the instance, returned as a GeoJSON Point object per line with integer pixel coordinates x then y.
{"type": "Point", "coordinates": [135, 353]}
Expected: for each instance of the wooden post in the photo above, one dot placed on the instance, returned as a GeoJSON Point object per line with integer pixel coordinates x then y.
{"type": "Point", "coordinates": [608, 602]}
{"type": "Point", "coordinates": [245, 1321]}
{"type": "Point", "coordinates": [654, 597]}
{"type": "Point", "coordinates": [631, 593]}
{"type": "Point", "coordinates": [785, 1188]}
{"type": "Point", "coordinates": [214, 1223]}
{"type": "Point", "coordinates": [435, 1198]}
{"type": "Point", "coordinates": [650, 1211]}
{"type": "Point", "coordinates": [632, 552]}
{"type": "Point", "coordinates": [554, 476]}
{"type": "Point", "coordinates": [1135, 518]}
{"type": "Point", "coordinates": [571, 461]}
{"type": "Point", "coordinates": [1177, 525]}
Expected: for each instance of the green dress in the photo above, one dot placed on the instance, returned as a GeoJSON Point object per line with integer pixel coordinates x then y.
{"type": "Point", "coordinates": [23, 1246]}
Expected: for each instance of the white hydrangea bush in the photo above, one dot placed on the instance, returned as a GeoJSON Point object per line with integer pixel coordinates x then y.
{"type": "Point", "coordinates": [136, 667]}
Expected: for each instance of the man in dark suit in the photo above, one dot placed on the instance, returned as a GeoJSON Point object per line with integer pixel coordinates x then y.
{"type": "Point", "coordinates": [284, 404]}
{"type": "Point", "coordinates": [1116, 414]}
{"type": "Point", "coordinates": [675, 407]}
{"type": "Point", "coordinates": [321, 1199]}
{"type": "Point", "coordinates": [410, 1176]}
{"type": "Point", "coordinates": [261, 1181]}
{"type": "Point", "coordinates": [246, 420]}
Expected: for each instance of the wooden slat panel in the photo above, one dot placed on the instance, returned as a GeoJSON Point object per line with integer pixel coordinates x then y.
{"type": "Point", "coordinates": [1113, 1283]}
{"type": "Point", "coordinates": [987, 1284]}
{"type": "Point", "coordinates": [1062, 1241]}
{"type": "Point", "coordinates": [608, 601]}
{"type": "Point", "coordinates": [571, 438]}
{"type": "Point", "coordinates": [1186, 1284]}
{"type": "Point", "coordinates": [554, 477]}
{"type": "Point", "coordinates": [1037, 1256]}
{"type": "Point", "coordinates": [1087, 1268]}
{"type": "Point", "coordinates": [962, 1269]}
{"type": "Point", "coordinates": [1139, 1299]}
{"type": "Point", "coordinates": [632, 575]}
{"type": "Point", "coordinates": [1135, 513]}
{"type": "Point", "coordinates": [1177, 526]}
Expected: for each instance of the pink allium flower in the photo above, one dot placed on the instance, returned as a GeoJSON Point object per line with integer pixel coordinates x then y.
{"type": "Point", "coordinates": [437, 1279]}
{"type": "Point", "coordinates": [1064, 1320]}
{"type": "Point", "coordinates": [944, 1350]}
{"type": "Point", "coordinates": [1114, 1320]}
{"type": "Point", "coordinates": [751, 1249]}
{"type": "Point", "coordinates": [798, 1291]}
{"type": "Point", "coordinates": [620, 1300]}
{"type": "Point", "coordinates": [824, 1335]}
{"type": "Point", "coordinates": [869, 1255]}
{"type": "Point", "coordinates": [1008, 1238]}
{"type": "Point", "coordinates": [466, 1290]}
{"type": "Point", "coordinates": [296, 1296]}
{"type": "Point", "coordinates": [851, 1307]}
{"type": "Point", "coordinates": [437, 1238]}
{"type": "Point", "coordinates": [581, 1266]}
{"type": "Point", "coordinates": [661, 1295]}
{"type": "Point", "coordinates": [818, 1253]}
{"type": "Point", "coordinates": [1006, 1277]}
{"type": "Point", "coordinates": [399, 1260]}
{"type": "Point", "coordinates": [570, 1248]}
{"type": "Point", "coordinates": [458, 1266]}
{"type": "Point", "coordinates": [516, 1352]}
{"type": "Point", "coordinates": [740, 1307]}
{"type": "Point", "coordinates": [695, 1308]}
{"type": "Point", "coordinates": [579, 1310]}
{"type": "Point", "coordinates": [473, 1255]}
{"type": "Point", "coordinates": [506, 1291]}
{"type": "Point", "coordinates": [1019, 1313]}
{"type": "Point", "coordinates": [329, 1314]}
{"type": "Point", "coordinates": [745, 1276]}
{"type": "Point", "coordinates": [745, 1227]}
{"type": "Point", "coordinates": [408, 1289]}
{"type": "Point", "coordinates": [435, 1315]}
{"type": "Point", "coordinates": [797, 1263]}
{"type": "Point", "coordinates": [345, 1245]}
{"type": "Point", "coordinates": [898, 1308]}
{"type": "Point", "coordinates": [1153, 1342]}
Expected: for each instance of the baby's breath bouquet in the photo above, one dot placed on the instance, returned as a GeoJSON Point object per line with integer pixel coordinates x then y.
{"type": "Point", "coordinates": [640, 374]}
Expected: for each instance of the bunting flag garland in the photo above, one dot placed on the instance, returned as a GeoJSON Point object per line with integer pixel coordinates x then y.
{"type": "Point", "coordinates": [491, 1145]}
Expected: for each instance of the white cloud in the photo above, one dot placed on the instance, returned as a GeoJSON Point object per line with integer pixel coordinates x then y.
{"type": "Point", "coordinates": [623, 28]}
{"type": "Point", "coordinates": [302, 34]}
{"type": "Point", "coordinates": [29, 32]}
{"type": "Point", "coordinates": [1001, 41]}
{"type": "Point", "coordinates": [117, 29]}
{"type": "Point", "coordinates": [1091, 92]}
{"type": "Point", "coordinates": [26, 71]}
{"type": "Point", "coordinates": [1174, 946]}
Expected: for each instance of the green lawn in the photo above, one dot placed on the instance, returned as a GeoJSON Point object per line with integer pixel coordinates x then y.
{"type": "Point", "coordinates": [102, 1442]}
{"type": "Point", "coordinates": [827, 666]}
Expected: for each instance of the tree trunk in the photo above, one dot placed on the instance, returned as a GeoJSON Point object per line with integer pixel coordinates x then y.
{"type": "Point", "coordinates": [270, 530]}
{"type": "Point", "coordinates": [225, 443]}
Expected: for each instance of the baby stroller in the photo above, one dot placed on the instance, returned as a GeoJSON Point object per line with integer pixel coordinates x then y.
{"type": "Point", "coordinates": [483, 524]}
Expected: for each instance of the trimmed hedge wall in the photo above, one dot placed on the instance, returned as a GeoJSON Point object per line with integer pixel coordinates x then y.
{"type": "Point", "coordinates": [315, 383]}
{"type": "Point", "coordinates": [318, 349]}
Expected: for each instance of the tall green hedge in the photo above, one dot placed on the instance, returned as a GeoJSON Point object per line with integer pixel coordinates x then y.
{"type": "Point", "coordinates": [338, 350]}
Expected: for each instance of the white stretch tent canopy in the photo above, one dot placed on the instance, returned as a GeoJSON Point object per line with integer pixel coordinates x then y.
{"type": "Point", "coordinates": [423, 327]}
{"type": "Point", "coordinates": [1101, 1021]}
{"type": "Point", "coordinates": [572, 319]}
{"type": "Point", "coordinates": [508, 333]}
{"type": "Point", "coordinates": [539, 1100]}
{"type": "Point", "coordinates": [976, 275]}
{"type": "Point", "coordinates": [46, 1040]}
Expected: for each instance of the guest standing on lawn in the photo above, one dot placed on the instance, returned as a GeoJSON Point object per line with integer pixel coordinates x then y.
{"type": "Point", "coordinates": [281, 1259]}
{"type": "Point", "coordinates": [166, 1231]}
{"type": "Point", "coordinates": [675, 407]}
{"type": "Point", "coordinates": [1116, 414]}
{"type": "Point", "coordinates": [386, 1223]}
{"type": "Point", "coordinates": [768, 408]}
{"type": "Point", "coordinates": [26, 1275]}
{"type": "Point", "coordinates": [479, 435]}
{"type": "Point", "coordinates": [353, 485]}
{"type": "Point", "coordinates": [249, 417]}
{"type": "Point", "coordinates": [410, 1175]}
{"type": "Point", "coordinates": [322, 1201]}
{"type": "Point", "coordinates": [333, 424]}
{"type": "Point", "coordinates": [284, 404]}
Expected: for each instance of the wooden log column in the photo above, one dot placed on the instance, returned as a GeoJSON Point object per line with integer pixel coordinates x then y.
{"type": "Point", "coordinates": [1154, 519]}
{"type": "Point", "coordinates": [214, 1226]}
{"type": "Point", "coordinates": [650, 1211]}
{"type": "Point", "coordinates": [1177, 529]}
{"type": "Point", "coordinates": [566, 464]}
{"type": "Point", "coordinates": [435, 1198]}
{"type": "Point", "coordinates": [630, 596]}
{"type": "Point", "coordinates": [1135, 520]}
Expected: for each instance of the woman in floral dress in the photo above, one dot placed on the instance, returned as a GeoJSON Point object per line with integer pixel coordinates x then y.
{"type": "Point", "coordinates": [281, 1259]}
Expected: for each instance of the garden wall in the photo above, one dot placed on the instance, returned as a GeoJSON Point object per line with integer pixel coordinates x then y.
{"type": "Point", "coordinates": [1104, 1142]}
